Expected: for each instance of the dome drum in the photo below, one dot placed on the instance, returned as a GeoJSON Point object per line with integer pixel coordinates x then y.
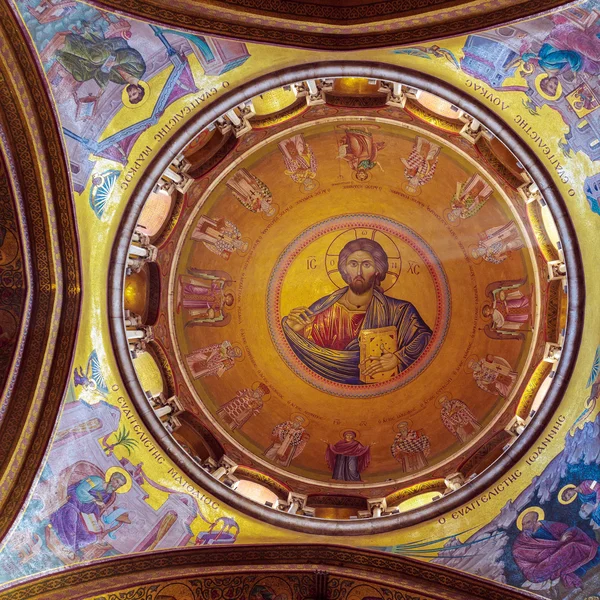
{"type": "Point", "coordinates": [358, 304]}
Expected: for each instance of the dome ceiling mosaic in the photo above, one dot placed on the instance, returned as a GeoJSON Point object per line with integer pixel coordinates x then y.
{"type": "Point", "coordinates": [357, 302]}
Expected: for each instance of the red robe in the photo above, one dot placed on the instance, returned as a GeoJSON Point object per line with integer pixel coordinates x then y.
{"type": "Point", "coordinates": [543, 559]}
{"type": "Point", "coordinates": [336, 327]}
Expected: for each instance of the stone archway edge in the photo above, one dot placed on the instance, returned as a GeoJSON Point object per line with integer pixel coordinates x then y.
{"type": "Point", "coordinates": [318, 561]}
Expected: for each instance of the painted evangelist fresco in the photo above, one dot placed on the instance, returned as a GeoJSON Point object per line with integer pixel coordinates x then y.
{"type": "Point", "coordinates": [547, 540]}
{"type": "Point", "coordinates": [141, 511]}
{"type": "Point", "coordinates": [112, 78]}
{"type": "Point", "coordinates": [330, 338]}
{"type": "Point", "coordinates": [95, 497]}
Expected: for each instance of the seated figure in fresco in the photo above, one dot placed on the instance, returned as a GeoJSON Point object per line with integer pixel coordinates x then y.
{"type": "Point", "coordinates": [548, 552]}
{"type": "Point", "coordinates": [92, 57]}
{"type": "Point", "coordinates": [77, 523]}
{"type": "Point", "coordinates": [568, 47]}
{"type": "Point", "coordinates": [325, 336]}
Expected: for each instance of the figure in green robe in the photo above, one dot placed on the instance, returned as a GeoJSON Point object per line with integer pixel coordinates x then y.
{"type": "Point", "coordinates": [91, 57]}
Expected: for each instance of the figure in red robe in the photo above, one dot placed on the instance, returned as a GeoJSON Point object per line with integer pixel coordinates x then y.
{"type": "Point", "coordinates": [549, 552]}
{"type": "Point", "coordinates": [325, 335]}
{"type": "Point", "coordinates": [347, 458]}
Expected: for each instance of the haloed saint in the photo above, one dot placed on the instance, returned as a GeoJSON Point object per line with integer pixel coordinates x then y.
{"type": "Point", "coordinates": [358, 335]}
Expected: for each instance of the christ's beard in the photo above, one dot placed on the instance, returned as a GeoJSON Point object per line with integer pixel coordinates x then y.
{"type": "Point", "coordinates": [359, 285]}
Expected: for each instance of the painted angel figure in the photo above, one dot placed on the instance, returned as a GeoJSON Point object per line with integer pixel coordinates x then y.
{"type": "Point", "coordinates": [220, 236]}
{"type": "Point", "coordinates": [420, 166]}
{"type": "Point", "coordinates": [288, 440]}
{"type": "Point", "coordinates": [246, 404]}
{"type": "Point", "coordinates": [359, 150]}
{"type": "Point", "coordinates": [213, 360]}
{"type": "Point", "coordinates": [509, 310]}
{"type": "Point", "coordinates": [495, 244]}
{"type": "Point", "coordinates": [458, 418]}
{"type": "Point", "coordinates": [410, 448]}
{"type": "Point", "coordinates": [94, 387]}
{"type": "Point", "coordinates": [300, 161]}
{"type": "Point", "coordinates": [493, 374]}
{"type": "Point", "coordinates": [470, 198]}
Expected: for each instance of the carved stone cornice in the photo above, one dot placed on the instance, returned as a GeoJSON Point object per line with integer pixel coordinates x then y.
{"type": "Point", "coordinates": [313, 566]}
{"type": "Point", "coordinates": [330, 25]}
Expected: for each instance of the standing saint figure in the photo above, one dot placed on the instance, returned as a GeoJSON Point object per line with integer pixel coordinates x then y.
{"type": "Point", "coordinates": [246, 404]}
{"type": "Point", "coordinates": [493, 374]}
{"type": "Point", "coordinates": [219, 235]}
{"type": "Point", "coordinates": [251, 192]}
{"type": "Point", "coordinates": [420, 166]}
{"type": "Point", "coordinates": [347, 458]}
{"type": "Point", "coordinates": [213, 360]}
{"type": "Point", "coordinates": [470, 198]}
{"type": "Point", "coordinates": [547, 552]}
{"type": "Point", "coordinates": [325, 336]}
{"type": "Point", "coordinates": [288, 441]}
{"type": "Point", "coordinates": [458, 418]}
{"type": "Point", "coordinates": [410, 448]}
{"type": "Point", "coordinates": [509, 310]}
{"type": "Point", "coordinates": [497, 243]}
{"type": "Point", "coordinates": [300, 160]}
{"type": "Point", "coordinates": [205, 299]}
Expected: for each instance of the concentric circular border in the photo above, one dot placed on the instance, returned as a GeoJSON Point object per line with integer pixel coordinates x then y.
{"type": "Point", "coordinates": [497, 126]}
{"type": "Point", "coordinates": [358, 221]}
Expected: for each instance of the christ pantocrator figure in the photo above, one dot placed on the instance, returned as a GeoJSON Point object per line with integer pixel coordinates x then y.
{"type": "Point", "coordinates": [325, 335]}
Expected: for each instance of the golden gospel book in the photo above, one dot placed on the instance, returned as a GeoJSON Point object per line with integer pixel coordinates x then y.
{"type": "Point", "coordinates": [373, 343]}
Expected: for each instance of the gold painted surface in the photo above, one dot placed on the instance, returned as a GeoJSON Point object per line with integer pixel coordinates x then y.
{"type": "Point", "coordinates": [294, 391]}
{"type": "Point", "coordinates": [135, 295]}
{"type": "Point", "coordinates": [148, 373]}
{"type": "Point", "coordinates": [273, 101]}
{"type": "Point", "coordinates": [96, 238]}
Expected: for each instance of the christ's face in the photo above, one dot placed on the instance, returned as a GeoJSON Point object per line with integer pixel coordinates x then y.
{"type": "Point", "coordinates": [361, 271]}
